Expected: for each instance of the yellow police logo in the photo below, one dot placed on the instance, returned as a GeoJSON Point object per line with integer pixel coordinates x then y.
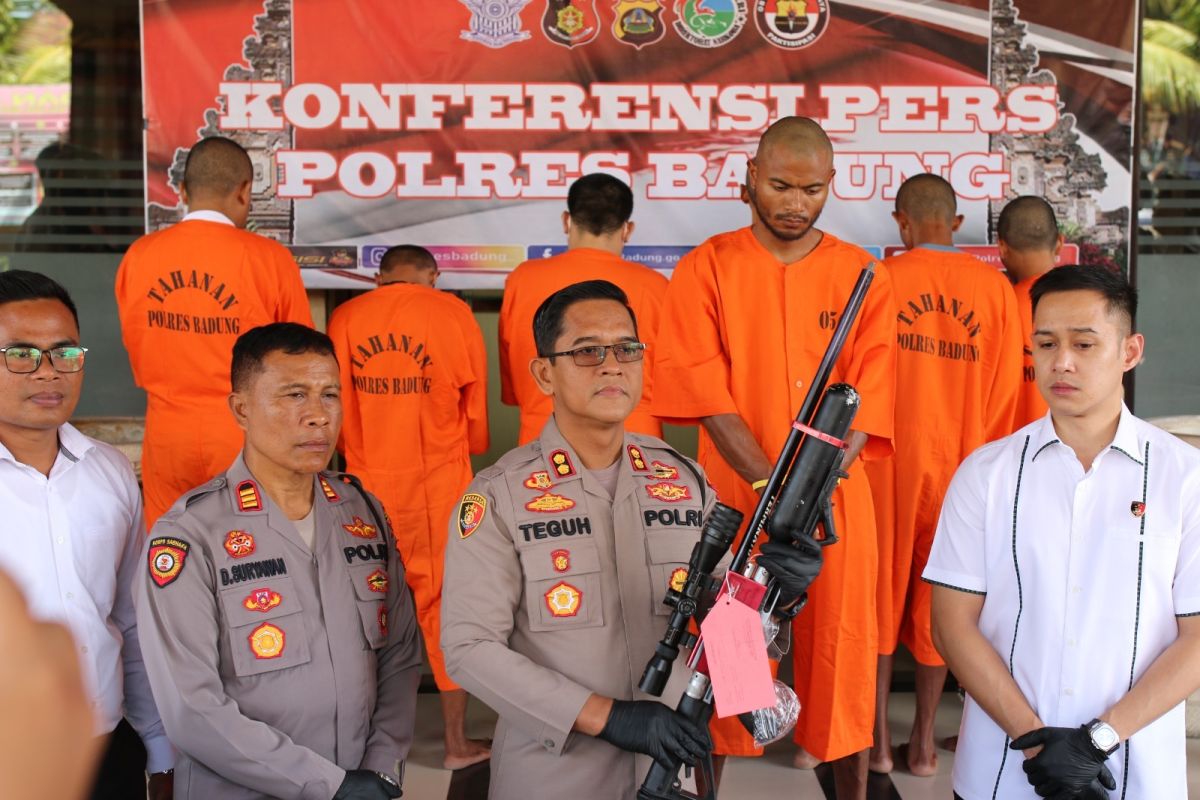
{"type": "Point", "coordinates": [471, 511]}
{"type": "Point", "coordinates": [563, 600]}
{"type": "Point", "coordinates": [267, 641]}
{"type": "Point", "coordinates": [668, 492]}
{"type": "Point", "coordinates": [561, 560]}
{"type": "Point", "coordinates": [377, 581]}
{"type": "Point", "coordinates": [678, 579]}
{"type": "Point", "coordinates": [359, 529]}
{"type": "Point", "coordinates": [538, 480]}
{"type": "Point", "coordinates": [664, 472]}
{"type": "Point", "coordinates": [549, 503]}
{"type": "Point", "coordinates": [262, 600]}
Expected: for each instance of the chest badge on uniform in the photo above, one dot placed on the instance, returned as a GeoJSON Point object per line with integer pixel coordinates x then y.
{"type": "Point", "coordinates": [471, 511]}
{"type": "Point", "coordinates": [668, 492]}
{"type": "Point", "coordinates": [239, 544]}
{"type": "Point", "coordinates": [330, 494]}
{"type": "Point", "coordinates": [636, 459]}
{"type": "Point", "coordinates": [262, 600]}
{"type": "Point", "coordinates": [538, 480]}
{"type": "Point", "coordinates": [359, 528]}
{"type": "Point", "coordinates": [549, 503]}
{"type": "Point", "coordinates": [167, 555]}
{"type": "Point", "coordinates": [678, 579]}
{"type": "Point", "coordinates": [561, 560]}
{"type": "Point", "coordinates": [664, 472]}
{"type": "Point", "coordinates": [383, 621]}
{"type": "Point", "coordinates": [267, 641]}
{"type": "Point", "coordinates": [248, 497]}
{"type": "Point", "coordinates": [563, 467]}
{"type": "Point", "coordinates": [1137, 508]}
{"type": "Point", "coordinates": [377, 581]}
{"type": "Point", "coordinates": [563, 600]}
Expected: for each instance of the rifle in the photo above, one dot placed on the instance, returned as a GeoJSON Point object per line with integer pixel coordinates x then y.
{"type": "Point", "coordinates": [794, 501]}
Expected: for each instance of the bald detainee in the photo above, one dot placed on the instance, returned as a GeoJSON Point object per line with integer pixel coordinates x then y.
{"type": "Point", "coordinates": [1029, 241]}
{"type": "Point", "coordinates": [414, 399]}
{"type": "Point", "coordinates": [957, 381]}
{"type": "Point", "coordinates": [184, 295]}
{"type": "Point", "coordinates": [747, 318]}
{"type": "Point", "coordinates": [597, 225]}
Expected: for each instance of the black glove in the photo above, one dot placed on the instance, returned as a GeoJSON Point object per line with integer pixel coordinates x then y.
{"type": "Point", "coordinates": [647, 726]}
{"type": "Point", "coordinates": [363, 784]}
{"type": "Point", "coordinates": [792, 567]}
{"type": "Point", "coordinates": [1068, 766]}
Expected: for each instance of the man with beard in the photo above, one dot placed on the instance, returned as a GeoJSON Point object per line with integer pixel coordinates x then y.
{"type": "Point", "coordinates": [748, 316]}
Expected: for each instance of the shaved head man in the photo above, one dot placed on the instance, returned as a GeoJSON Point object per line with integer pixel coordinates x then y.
{"type": "Point", "coordinates": [926, 211]}
{"type": "Point", "coordinates": [1029, 241]}
{"type": "Point", "coordinates": [789, 183]}
{"type": "Point", "coordinates": [408, 263]}
{"type": "Point", "coordinates": [184, 295]}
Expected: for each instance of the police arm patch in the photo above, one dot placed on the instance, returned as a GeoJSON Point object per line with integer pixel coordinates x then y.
{"type": "Point", "coordinates": [166, 559]}
{"type": "Point", "coordinates": [471, 511]}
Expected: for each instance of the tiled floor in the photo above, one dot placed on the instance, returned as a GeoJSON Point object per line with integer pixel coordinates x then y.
{"type": "Point", "coordinates": [767, 778]}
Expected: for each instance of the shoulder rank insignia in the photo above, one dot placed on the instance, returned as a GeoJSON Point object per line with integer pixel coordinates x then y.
{"type": "Point", "coordinates": [636, 459]}
{"type": "Point", "coordinates": [167, 555]}
{"type": "Point", "coordinates": [248, 497]}
{"type": "Point", "coordinates": [563, 600]}
{"type": "Point", "coordinates": [563, 467]}
{"type": "Point", "coordinates": [383, 620]}
{"type": "Point", "coordinates": [664, 472]}
{"type": "Point", "coordinates": [330, 495]}
{"type": "Point", "coordinates": [538, 480]}
{"type": "Point", "coordinates": [377, 581]}
{"type": "Point", "coordinates": [549, 503]}
{"type": "Point", "coordinates": [678, 579]}
{"type": "Point", "coordinates": [561, 559]}
{"type": "Point", "coordinates": [668, 492]}
{"type": "Point", "coordinates": [239, 544]}
{"type": "Point", "coordinates": [471, 511]}
{"type": "Point", "coordinates": [359, 529]}
{"type": "Point", "coordinates": [262, 600]}
{"type": "Point", "coordinates": [267, 641]}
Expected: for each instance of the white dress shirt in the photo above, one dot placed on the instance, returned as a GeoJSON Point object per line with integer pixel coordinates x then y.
{"type": "Point", "coordinates": [1082, 591]}
{"type": "Point", "coordinates": [73, 543]}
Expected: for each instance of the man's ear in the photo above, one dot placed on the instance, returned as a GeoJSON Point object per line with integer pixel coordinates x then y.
{"type": "Point", "coordinates": [543, 375]}
{"type": "Point", "coordinates": [958, 221]}
{"type": "Point", "coordinates": [566, 222]}
{"type": "Point", "coordinates": [1058, 245]}
{"type": "Point", "coordinates": [1135, 349]}
{"type": "Point", "coordinates": [183, 194]}
{"type": "Point", "coordinates": [237, 405]}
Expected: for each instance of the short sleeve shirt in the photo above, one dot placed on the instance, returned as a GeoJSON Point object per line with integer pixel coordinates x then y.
{"type": "Point", "coordinates": [1084, 574]}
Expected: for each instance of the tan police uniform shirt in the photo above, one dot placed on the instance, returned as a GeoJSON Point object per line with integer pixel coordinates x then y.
{"type": "Point", "coordinates": [276, 668]}
{"type": "Point", "coordinates": [553, 591]}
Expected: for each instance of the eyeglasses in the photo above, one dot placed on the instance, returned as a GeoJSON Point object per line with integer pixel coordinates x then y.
{"type": "Point", "coordinates": [29, 359]}
{"type": "Point", "coordinates": [593, 355]}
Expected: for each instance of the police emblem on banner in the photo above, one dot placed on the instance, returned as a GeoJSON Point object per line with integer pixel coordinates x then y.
{"type": "Point", "coordinates": [470, 513]}
{"type": "Point", "coordinates": [791, 24]}
{"type": "Point", "coordinates": [638, 22]}
{"type": "Point", "coordinates": [709, 23]}
{"type": "Point", "coordinates": [570, 22]}
{"type": "Point", "coordinates": [495, 23]}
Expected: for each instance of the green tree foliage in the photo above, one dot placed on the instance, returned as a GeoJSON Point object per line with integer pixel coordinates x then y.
{"type": "Point", "coordinates": [1171, 54]}
{"type": "Point", "coordinates": [35, 43]}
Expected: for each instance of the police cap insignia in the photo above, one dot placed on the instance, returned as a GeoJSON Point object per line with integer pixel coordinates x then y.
{"type": "Point", "coordinates": [262, 600]}
{"type": "Point", "coordinates": [471, 510]}
{"type": "Point", "coordinates": [359, 528]}
{"type": "Point", "coordinates": [248, 497]}
{"type": "Point", "coordinates": [563, 600]}
{"type": "Point", "coordinates": [267, 641]}
{"type": "Point", "coordinates": [166, 557]}
{"type": "Point", "coordinates": [561, 462]}
{"type": "Point", "coordinates": [239, 544]}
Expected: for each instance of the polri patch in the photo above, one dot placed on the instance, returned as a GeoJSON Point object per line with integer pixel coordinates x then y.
{"type": "Point", "coordinates": [267, 641]}
{"type": "Point", "coordinates": [678, 579]}
{"type": "Point", "coordinates": [359, 529]}
{"type": "Point", "coordinates": [248, 497]}
{"type": "Point", "coordinates": [377, 581]}
{"type": "Point", "coordinates": [549, 503]}
{"type": "Point", "coordinates": [561, 559]}
{"type": "Point", "coordinates": [563, 600]}
{"type": "Point", "coordinates": [563, 467]}
{"type": "Point", "coordinates": [167, 556]}
{"type": "Point", "coordinates": [668, 492]}
{"type": "Point", "coordinates": [239, 544]}
{"type": "Point", "coordinates": [471, 511]}
{"type": "Point", "coordinates": [262, 600]}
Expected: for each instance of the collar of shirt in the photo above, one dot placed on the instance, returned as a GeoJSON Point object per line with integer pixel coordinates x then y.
{"type": "Point", "coordinates": [1124, 441]}
{"type": "Point", "coordinates": [208, 216]}
{"type": "Point", "coordinates": [72, 446]}
{"type": "Point", "coordinates": [940, 248]}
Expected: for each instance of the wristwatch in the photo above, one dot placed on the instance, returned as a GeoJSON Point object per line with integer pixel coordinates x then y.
{"type": "Point", "coordinates": [1104, 737]}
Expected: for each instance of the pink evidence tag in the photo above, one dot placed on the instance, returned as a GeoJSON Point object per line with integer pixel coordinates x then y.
{"type": "Point", "coordinates": [736, 656]}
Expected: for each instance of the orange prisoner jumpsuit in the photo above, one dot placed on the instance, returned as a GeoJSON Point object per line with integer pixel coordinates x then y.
{"type": "Point", "coordinates": [414, 398]}
{"type": "Point", "coordinates": [531, 283]}
{"type": "Point", "coordinates": [956, 389]}
{"type": "Point", "coordinates": [184, 296]}
{"type": "Point", "coordinates": [742, 333]}
{"type": "Point", "coordinates": [1030, 404]}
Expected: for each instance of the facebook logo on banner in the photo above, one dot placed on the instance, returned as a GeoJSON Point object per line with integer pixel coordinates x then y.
{"type": "Point", "coordinates": [663, 257]}
{"type": "Point", "coordinates": [372, 255]}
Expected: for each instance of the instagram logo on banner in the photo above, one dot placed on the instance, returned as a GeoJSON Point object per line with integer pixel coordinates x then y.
{"type": "Point", "coordinates": [372, 255]}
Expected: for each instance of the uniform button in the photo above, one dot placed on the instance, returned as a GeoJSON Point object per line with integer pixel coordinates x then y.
{"type": "Point", "coordinates": [1069, 692]}
{"type": "Point", "coordinates": [59, 540]}
{"type": "Point", "coordinates": [1077, 590]}
{"type": "Point", "coordinates": [549, 744]}
{"type": "Point", "coordinates": [70, 595]}
{"type": "Point", "coordinates": [83, 649]}
{"type": "Point", "coordinates": [799, 384]}
{"type": "Point", "coordinates": [1070, 642]}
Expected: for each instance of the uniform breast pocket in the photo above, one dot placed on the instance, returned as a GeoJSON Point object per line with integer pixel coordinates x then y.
{"type": "Point", "coordinates": [265, 626]}
{"type": "Point", "coordinates": [669, 553]}
{"type": "Point", "coordinates": [371, 586]}
{"type": "Point", "coordinates": [562, 586]}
